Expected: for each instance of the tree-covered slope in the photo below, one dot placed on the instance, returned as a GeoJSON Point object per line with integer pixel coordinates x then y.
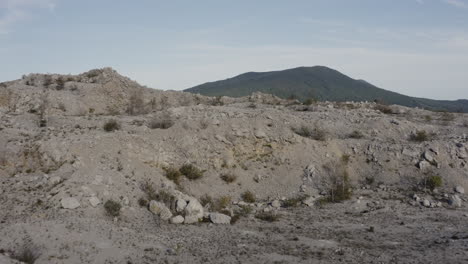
{"type": "Point", "coordinates": [317, 82]}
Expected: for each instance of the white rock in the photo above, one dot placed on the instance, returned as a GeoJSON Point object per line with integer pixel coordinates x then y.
{"type": "Point", "coordinates": [180, 205]}
{"type": "Point", "coordinates": [218, 218]}
{"type": "Point", "coordinates": [460, 189]}
{"type": "Point", "coordinates": [426, 203]}
{"type": "Point", "coordinates": [70, 203]}
{"type": "Point", "coordinates": [276, 204]}
{"type": "Point", "coordinates": [310, 201]}
{"type": "Point", "coordinates": [55, 180]}
{"type": "Point", "coordinates": [177, 219]}
{"type": "Point", "coordinates": [260, 134]}
{"type": "Point", "coordinates": [94, 201]}
{"type": "Point", "coordinates": [194, 208]}
{"type": "Point", "coordinates": [455, 201]}
{"type": "Point", "coordinates": [191, 219]}
{"type": "Point", "coordinates": [160, 210]}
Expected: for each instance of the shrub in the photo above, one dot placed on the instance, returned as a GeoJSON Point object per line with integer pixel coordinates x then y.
{"type": "Point", "coordinates": [149, 190]}
{"type": "Point", "coordinates": [356, 134]}
{"type": "Point", "coordinates": [267, 216]}
{"type": "Point", "coordinates": [157, 123]}
{"type": "Point", "coordinates": [309, 101]}
{"type": "Point", "coordinates": [433, 181]}
{"type": "Point", "coordinates": [428, 118]}
{"type": "Point", "coordinates": [206, 199]}
{"type": "Point", "coordinates": [244, 211]}
{"type": "Point", "coordinates": [229, 178]}
{"type": "Point", "coordinates": [143, 202]}
{"type": "Point", "coordinates": [248, 197]}
{"type": "Point", "coordinates": [339, 183]}
{"type": "Point", "coordinates": [204, 124]}
{"type": "Point", "coordinates": [465, 124]}
{"type": "Point", "coordinates": [315, 133]}
{"type": "Point", "coordinates": [111, 125]}
{"type": "Point", "coordinates": [173, 174]}
{"type": "Point", "coordinates": [221, 203]}
{"type": "Point", "coordinates": [294, 201]}
{"type": "Point", "coordinates": [191, 172]}
{"type": "Point", "coordinates": [60, 83]}
{"type": "Point", "coordinates": [384, 109]}
{"type": "Point", "coordinates": [27, 253]}
{"type": "Point", "coordinates": [419, 136]}
{"type": "Point", "coordinates": [136, 103]}
{"type": "Point", "coordinates": [446, 116]}
{"type": "Point", "coordinates": [112, 208]}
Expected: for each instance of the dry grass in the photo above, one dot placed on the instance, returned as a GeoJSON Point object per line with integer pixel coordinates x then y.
{"type": "Point", "coordinates": [313, 133]}
{"type": "Point", "coordinates": [248, 197]}
{"type": "Point", "coordinates": [228, 178]}
{"type": "Point", "coordinates": [294, 201]}
{"type": "Point", "coordinates": [356, 134]}
{"type": "Point", "coordinates": [419, 136]}
{"type": "Point", "coordinates": [191, 172]}
{"type": "Point", "coordinates": [161, 123]}
{"type": "Point", "coordinates": [267, 216]}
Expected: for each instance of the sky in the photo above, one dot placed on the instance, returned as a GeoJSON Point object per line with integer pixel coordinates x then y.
{"type": "Point", "coordinates": [415, 47]}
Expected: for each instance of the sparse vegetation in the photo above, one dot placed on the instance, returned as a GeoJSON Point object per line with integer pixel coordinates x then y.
{"type": "Point", "coordinates": [112, 208]}
{"type": "Point", "coordinates": [446, 116]}
{"type": "Point", "coordinates": [248, 197]}
{"type": "Point", "coordinates": [309, 101]}
{"type": "Point", "coordinates": [161, 123]}
{"type": "Point", "coordinates": [313, 133]}
{"type": "Point", "coordinates": [267, 216]}
{"type": "Point", "coordinates": [419, 136]}
{"type": "Point", "coordinates": [173, 174]}
{"type": "Point", "coordinates": [27, 253]}
{"type": "Point", "coordinates": [383, 108]}
{"type": "Point", "coordinates": [60, 83]}
{"type": "Point", "coordinates": [294, 201]}
{"type": "Point", "coordinates": [356, 134]}
{"type": "Point", "coordinates": [229, 178]}
{"type": "Point", "coordinates": [433, 181]}
{"type": "Point", "coordinates": [191, 172]}
{"type": "Point", "coordinates": [339, 186]}
{"type": "Point", "coordinates": [244, 211]}
{"type": "Point", "coordinates": [428, 118]}
{"type": "Point", "coordinates": [204, 124]}
{"type": "Point", "coordinates": [143, 202]}
{"type": "Point", "coordinates": [111, 125]}
{"type": "Point", "coordinates": [136, 104]}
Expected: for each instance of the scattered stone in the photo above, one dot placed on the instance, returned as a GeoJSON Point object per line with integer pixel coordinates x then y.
{"type": "Point", "coordinates": [309, 201]}
{"type": "Point", "coordinates": [455, 201]}
{"type": "Point", "coordinates": [276, 204]}
{"type": "Point", "coordinates": [426, 203]}
{"type": "Point", "coordinates": [217, 218]}
{"type": "Point", "coordinates": [260, 134]}
{"type": "Point", "coordinates": [94, 201]}
{"type": "Point", "coordinates": [191, 219]}
{"type": "Point", "coordinates": [160, 210]}
{"type": "Point", "coordinates": [177, 219]}
{"type": "Point", "coordinates": [193, 208]}
{"type": "Point", "coordinates": [70, 203]}
{"type": "Point", "coordinates": [460, 189]}
{"type": "Point", "coordinates": [55, 180]}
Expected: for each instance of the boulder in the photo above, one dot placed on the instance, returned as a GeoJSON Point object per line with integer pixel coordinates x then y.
{"type": "Point", "coordinates": [177, 219]}
{"type": "Point", "coordinates": [460, 189]}
{"type": "Point", "coordinates": [180, 205]}
{"type": "Point", "coordinates": [191, 219]}
{"type": "Point", "coordinates": [276, 204]}
{"type": "Point", "coordinates": [160, 210]}
{"type": "Point", "coordinates": [70, 203]}
{"type": "Point", "coordinates": [218, 218]}
{"type": "Point", "coordinates": [455, 201]}
{"type": "Point", "coordinates": [194, 208]}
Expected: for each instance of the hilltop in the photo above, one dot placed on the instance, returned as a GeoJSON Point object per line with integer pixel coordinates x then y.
{"type": "Point", "coordinates": [319, 83]}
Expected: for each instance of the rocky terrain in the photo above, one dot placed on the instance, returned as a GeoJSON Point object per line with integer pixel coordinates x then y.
{"type": "Point", "coordinates": [95, 168]}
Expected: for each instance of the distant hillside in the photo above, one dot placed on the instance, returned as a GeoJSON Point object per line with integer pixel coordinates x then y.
{"type": "Point", "coordinates": [317, 82]}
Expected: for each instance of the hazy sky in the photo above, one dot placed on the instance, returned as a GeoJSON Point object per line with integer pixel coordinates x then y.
{"type": "Point", "coordinates": [415, 47]}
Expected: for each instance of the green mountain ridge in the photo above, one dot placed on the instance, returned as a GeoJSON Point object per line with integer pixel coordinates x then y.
{"type": "Point", "coordinates": [320, 83]}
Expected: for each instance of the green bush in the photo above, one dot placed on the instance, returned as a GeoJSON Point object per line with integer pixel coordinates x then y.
{"type": "Point", "coordinates": [191, 172]}
{"type": "Point", "coordinates": [433, 182]}
{"type": "Point", "coordinates": [112, 208]}
{"type": "Point", "coordinates": [248, 197]}
{"type": "Point", "coordinates": [111, 125]}
{"type": "Point", "coordinates": [173, 174]}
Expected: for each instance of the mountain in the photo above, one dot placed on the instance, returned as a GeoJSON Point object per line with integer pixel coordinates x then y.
{"type": "Point", "coordinates": [317, 82]}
